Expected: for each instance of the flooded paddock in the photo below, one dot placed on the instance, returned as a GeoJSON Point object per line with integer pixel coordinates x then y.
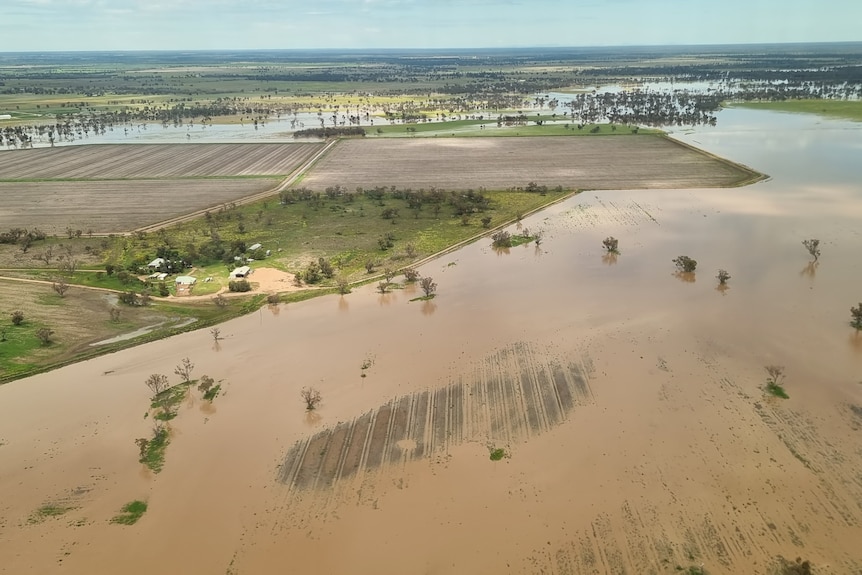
{"type": "Point", "coordinates": [629, 401]}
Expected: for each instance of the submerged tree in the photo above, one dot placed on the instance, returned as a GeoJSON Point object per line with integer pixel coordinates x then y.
{"type": "Point", "coordinates": [722, 277]}
{"type": "Point", "coordinates": [184, 370]}
{"type": "Point", "coordinates": [611, 244]}
{"type": "Point", "coordinates": [685, 264]}
{"type": "Point", "coordinates": [311, 397]}
{"type": "Point", "coordinates": [813, 247]}
{"type": "Point", "coordinates": [428, 286]}
{"type": "Point", "coordinates": [856, 316]}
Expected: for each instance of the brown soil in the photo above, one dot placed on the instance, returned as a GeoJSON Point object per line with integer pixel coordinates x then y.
{"type": "Point", "coordinates": [115, 206]}
{"type": "Point", "coordinates": [122, 161]}
{"type": "Point", "coordinates": [498, 163]}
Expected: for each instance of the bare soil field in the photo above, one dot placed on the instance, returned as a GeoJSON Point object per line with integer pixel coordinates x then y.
{"type": "Point", "coordinates": [606, 163]}
{"type": "Point", "coordinates": [115, 206]}
{"type": "Point", "coordinates": [154, 161]}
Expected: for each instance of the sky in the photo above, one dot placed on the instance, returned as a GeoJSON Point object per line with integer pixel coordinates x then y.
{"type": "Point", "coordinates": [70, 25]}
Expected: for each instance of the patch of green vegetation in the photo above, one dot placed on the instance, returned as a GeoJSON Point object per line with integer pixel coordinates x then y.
{"type": "Point", "coordinates": [49, 510]}
{"type": "Point", "coordinates": [212, 392]}
{"type": "Point", "coordinates": [424, 297]}
{"type": "Point", "coordinates": [498, 453]}
{"type": "Point", "coordinates": [844, 109]}
{"type": "Point", "coordinates": [153, 455]}
{"type": "Point", "coordinates": [131, 512]}
{"type": "Point", "coordinates": [773, 388]}
{"type": "Point", "coordinates": [169, 399]}
{"type": "Point", "coordinates": [521, 239]}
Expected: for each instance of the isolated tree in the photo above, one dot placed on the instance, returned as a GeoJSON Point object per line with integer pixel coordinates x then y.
{"type": "Point", "coordinates": [115, 314]}
{"type": "Point", "coordinates": [383, 287]}
{"type": "Point", "coordinates": [486, 222]}
{"type": "Point", "coordinates": [813, 247]}
{"type": "Point", "coordinates": [538, 238]}
{"type": "Point", "coordinates": [47, 255]}
{"type": "Point", "coordinates": [60, 286]}
{"type": "Point", "coordinates": [428, 286]}
{"type": "Point", "coordinates": [722, 277]}
{"type": "Point", "coordinates": [311, 397]}
{"type": "Point", "coordinates": [343, 286]}
{"type": "Point", "coordinates": [410, 274]}
{"type": "Point", "coordinates": [216, 333]}
{"type": "Point", "coordinates": [44, 334]}
{"type": "Point", "coordinates": [776, 372]}
{"type": "Point", "coordinates": [856, 316]}
{"type": "Point", "coordinates": [410, 250]}
{"type": "Point", "coordinates": [158, 383]}
{"type": "Point", "coordinates": [220, 301]}
{"type": "Point", "coordinates": [502, 239]}
{"type": "Point", "coordinates": [611, 244]}
{"type": "Point", "coordinates": [17, 317]}
{"type": "Point", "coordinates": [184, 370]}
{"type": "Point", "coordinates": [685, 264]}
{"type": "Point", "coordinates": [369, 266]}
{"type": "Point", "coordinates": [388, 273]}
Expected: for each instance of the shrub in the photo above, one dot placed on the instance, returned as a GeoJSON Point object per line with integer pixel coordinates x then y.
{"type": "Point", "coordinates": [17, 317]}
{"type": "Point", "coordinates": [611, 244]}
{"type": "Point", "coordinates": [239, 286]}
{"type": "Point", "coordinates": [502, 239]}
{"type": "Point", "coordinates": [685, 264]}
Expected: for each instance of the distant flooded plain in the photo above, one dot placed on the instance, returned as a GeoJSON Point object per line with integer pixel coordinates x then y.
{"type": "Point", "coordinates": [628, 401]}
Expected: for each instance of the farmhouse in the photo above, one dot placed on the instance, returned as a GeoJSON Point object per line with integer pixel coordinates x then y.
{"type": "Point", "coordinates": [241, 272]}
{"type": "Point", "coordinates": [156, 263]}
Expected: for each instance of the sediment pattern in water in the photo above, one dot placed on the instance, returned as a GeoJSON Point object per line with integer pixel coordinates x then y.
{"type": "Point", "coordinates": [512, 395]}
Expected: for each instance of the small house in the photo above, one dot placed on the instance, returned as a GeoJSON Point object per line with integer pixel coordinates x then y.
{"type": "Point", "coordinates": [241, 272]}
{"type": "Point", "coordinates": [157, 263]}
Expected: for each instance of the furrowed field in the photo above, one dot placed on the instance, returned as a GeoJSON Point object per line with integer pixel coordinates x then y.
{"type": "Point", "coordinates": [114, 206]}
{"type": "Point", "coordinates": [154, 161]}
{"type": "Point", "coordinates": [629, 162]}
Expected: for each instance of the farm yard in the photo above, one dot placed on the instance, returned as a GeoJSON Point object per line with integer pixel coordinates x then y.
{"type": "Point", "coordinates": [115, 206]}
{"type": "Point", "coordinates": [127, 161]}
{"type": "Point", "coordinates": [631, 162]}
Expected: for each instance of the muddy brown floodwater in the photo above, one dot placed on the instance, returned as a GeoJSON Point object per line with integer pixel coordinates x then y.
{"type": "Point", "coordinates": [629, 403]}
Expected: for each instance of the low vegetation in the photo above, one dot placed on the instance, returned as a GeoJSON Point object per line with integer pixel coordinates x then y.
{"type": "Point", "coordinates": [498, 453]}
{"type": "Point", "coordinates": [152, 451]}
{"type": "Point", "coordinates": [685, 264]}
{"type": "Point", "coordinates": [48, 511]}
{"type": "Point", "coordinates": [856, 316]}
{"type": "Point", "coordinates": [130, 513]}
{"type": "Point", "coordinates": [776, 372]}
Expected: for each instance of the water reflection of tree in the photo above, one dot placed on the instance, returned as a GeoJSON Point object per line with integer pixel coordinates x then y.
{"type": "Point", "coordinates": [312, 418]}
{"type": "Point", "coordinates": [428, 307]}
{"type": "Point", "coordinates": [810, 269]}
{"type": "Point", "coordinates": [687, 277]}
{"type": "Point", "coordinates": [343, 305]}
{"type": "Point", "coordinates": [216, 346]}
{"type": "Point", "coordinates": [385, 299]}
{"type": "Point", "coordinates": [722, 288]}
{"type": "Point", "coordinates": [855, 341]}
{"type": "Point", "coordinates": [610, 258]}
{"type": "Point", "coordinates": [501, 251]}
{"type": "Point", "coordinates": [274, 309]}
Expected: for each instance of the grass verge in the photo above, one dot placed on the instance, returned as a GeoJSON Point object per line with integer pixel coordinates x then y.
{"type": "Point", "coordinates": [843, 109]}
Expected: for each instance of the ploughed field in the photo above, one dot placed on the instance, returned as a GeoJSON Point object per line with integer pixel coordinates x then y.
{"type": "Point", "coordinates": [634, 162]}
{"type": "Point", "coordinates": [154, 161]}
{"type": "Point", "coordinates": [114, 206]}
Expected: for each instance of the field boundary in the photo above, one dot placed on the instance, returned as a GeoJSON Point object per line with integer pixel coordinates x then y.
{"type": "Point", "coordinates": [753, 175]}
{"type": "Point", "coordinates": [288, 181]}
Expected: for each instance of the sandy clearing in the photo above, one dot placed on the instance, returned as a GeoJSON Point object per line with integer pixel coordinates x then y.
{"type": "Point", "coordinates": [575, 162]}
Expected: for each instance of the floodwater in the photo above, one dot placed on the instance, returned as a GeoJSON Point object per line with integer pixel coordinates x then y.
{"type": "Point", "coordinates": [629, 402]}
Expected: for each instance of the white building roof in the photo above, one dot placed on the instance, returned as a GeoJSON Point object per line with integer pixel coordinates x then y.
{"type": "Point", "coordinates": [240, 271]}
{"type": "Point", "coordinates": [255, 247]}
{"type": "Point", "coordinates": [187, 280]}
{"type": "Point", "coordinates": [156, 263]}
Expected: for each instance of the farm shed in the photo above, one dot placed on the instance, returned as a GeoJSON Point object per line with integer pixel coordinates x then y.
{"type": "Point", "coordinates": [241, 272]}
{"type": "Point", "coordinates": [254, 247]}
{"type": "Point", "coordinates": [156, 263]}
{"type": "Point", "coordinates": [184, 285]}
